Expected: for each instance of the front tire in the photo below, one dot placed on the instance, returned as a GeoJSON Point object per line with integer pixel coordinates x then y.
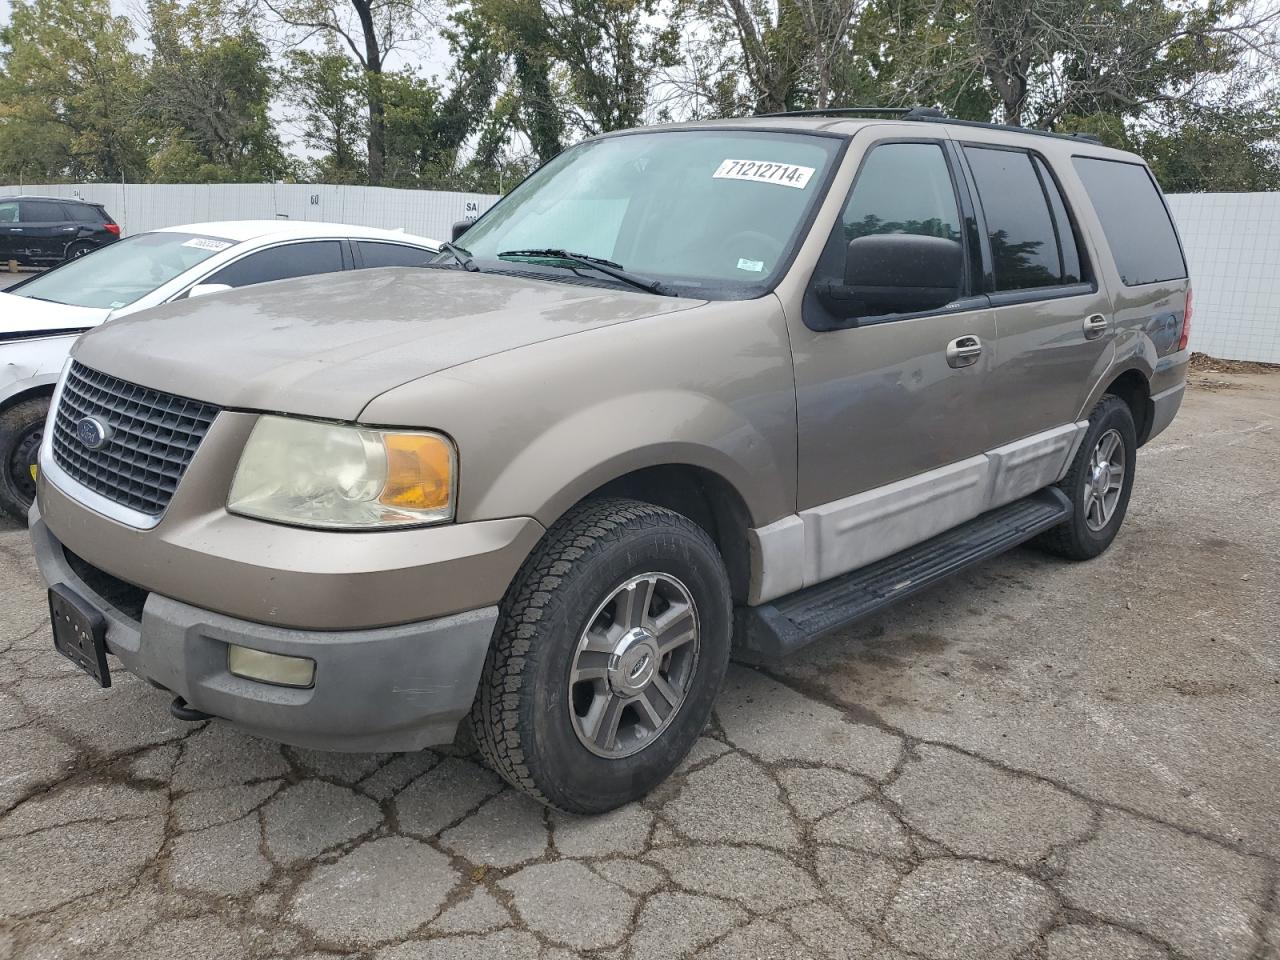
{"type": "Point", "coordinates": [612, 643]}
{"type": "Point", "coordinates": [1099, 484]}
{"type": "Point", "coordinates": [21, 428]}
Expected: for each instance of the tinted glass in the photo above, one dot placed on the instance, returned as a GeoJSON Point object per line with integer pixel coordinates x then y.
{"type": "Point", "coordinates": [1024, 244]}
{"type": "Point", "coordinates": [9, 212]}
{"type": "Point", "coordinates": [903, 188]}
{"type": "Point", "coordinates": [43, 211]}
{"type": "Point", "coordinates": [281, 263]}
{"type": "Point", "coordinates": [1071, 269]}
{"type": "Point", "coordinates": [1134, 218]}
{"type": "Point", "coordinates": [84, 213]}
{"type": "Point", "coordinates": [393, 254]}
{"type": "Point", "coordinates": [709, 213]}
{"type": "Point", "coordinates": [120, 273]}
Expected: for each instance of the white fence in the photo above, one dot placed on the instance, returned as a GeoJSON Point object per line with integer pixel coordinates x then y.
{"type": "Point", "coordinates": [141, 207]}
{"type": "Point", "coordinates": [1233, 243]}
{"type": "Point", "coordinates": [1232, 239]}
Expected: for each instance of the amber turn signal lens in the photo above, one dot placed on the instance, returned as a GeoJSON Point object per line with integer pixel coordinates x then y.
{"type": "Point", "coordinates": [419, 472]}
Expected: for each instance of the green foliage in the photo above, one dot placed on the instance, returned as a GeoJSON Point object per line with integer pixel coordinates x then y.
{"type": "Point", "coordinates": [69, 93]}
{"type": "Point", "coordinates": [329, 92]}
{"type": "Point", "coordinates": [208, 92]}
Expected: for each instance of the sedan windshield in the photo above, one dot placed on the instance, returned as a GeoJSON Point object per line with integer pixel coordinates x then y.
{"type": "Point", "coordinates": [702, 213]}
{"type": "Point", "coordinates": [120, 273]}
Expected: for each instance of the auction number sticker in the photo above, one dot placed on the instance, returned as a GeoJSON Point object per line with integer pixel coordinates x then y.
{"type": "Point", "coordinates": [783, 174]}
{"type": "Point", "coordinates": [200, 243]}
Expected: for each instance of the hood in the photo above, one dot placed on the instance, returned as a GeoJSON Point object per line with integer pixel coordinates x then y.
{"type": "Point", "coordinates": [325, 346]}
{"type": "Point", "coordinates": [23, 315]}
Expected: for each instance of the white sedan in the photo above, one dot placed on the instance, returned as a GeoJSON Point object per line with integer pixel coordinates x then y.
{"type": "Point", "coordinates": [41, 316]}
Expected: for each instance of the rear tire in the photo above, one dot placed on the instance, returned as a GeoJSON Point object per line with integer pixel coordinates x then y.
{"type": "Point", "coordinates": [21, 427]}
{"type": "Point", "coordinates": [621, 602]}
{"type": "Point", "coordinates": [79, 249]}
{"type": "Point", "coordinates": [1100, 502]}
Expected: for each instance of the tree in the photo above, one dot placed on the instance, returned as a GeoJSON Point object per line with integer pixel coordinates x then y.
{"type": "Point", "coordinates": [69, 90]}
{"type": "Point", "coordinates": [209, 88]}
{"type": "Point", "coordinates": [329, 91]}
{"type": "Point", "coordinates": [372, 30]}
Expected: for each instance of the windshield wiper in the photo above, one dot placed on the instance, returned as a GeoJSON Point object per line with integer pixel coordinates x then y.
{"type": "Point", "coordinates": [460, 254]}
{"type": "Point", "coordinates": [607, 267]}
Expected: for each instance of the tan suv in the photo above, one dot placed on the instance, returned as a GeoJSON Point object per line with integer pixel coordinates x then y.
{"type": "Point", "coordinates": [685, 391]}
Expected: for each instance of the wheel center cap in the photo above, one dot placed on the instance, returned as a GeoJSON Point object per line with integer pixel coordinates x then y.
{"type": "Point", "coordinates": [633, 662]}
{"type": "Point", "coordinates": [1100, 474]}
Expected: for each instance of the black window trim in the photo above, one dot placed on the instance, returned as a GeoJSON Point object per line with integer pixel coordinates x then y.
{"type": "Point", "coordinates": [343, 244]}
{"type": "Point", "coordinates": [1003, 298]}
{"type": "Point", "coordinates": [357, 249]}
{"type": "Point", "coordinates": [1177, 237]}
{"type": "Point", "coordinates": [971, 299]}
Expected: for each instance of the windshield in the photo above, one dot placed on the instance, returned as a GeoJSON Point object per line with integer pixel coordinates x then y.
{"type": "Point", "coordinates": [120, 273]}
{"type": "Point", "coordinates": [707, 213]}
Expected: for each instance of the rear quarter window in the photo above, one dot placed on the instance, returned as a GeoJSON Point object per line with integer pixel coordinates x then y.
{"type": "Point", "coordinates": [1134, 219]}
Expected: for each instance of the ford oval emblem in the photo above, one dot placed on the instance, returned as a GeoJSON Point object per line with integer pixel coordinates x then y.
{"type": "Point", "coordinates": [92, 433]}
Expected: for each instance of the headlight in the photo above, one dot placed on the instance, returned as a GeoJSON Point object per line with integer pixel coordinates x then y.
{"type": "Point", "coordinates": [328, 475]}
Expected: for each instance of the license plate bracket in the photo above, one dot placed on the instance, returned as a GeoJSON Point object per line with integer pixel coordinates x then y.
{"type": "Point", "coordinates": [79, 632]}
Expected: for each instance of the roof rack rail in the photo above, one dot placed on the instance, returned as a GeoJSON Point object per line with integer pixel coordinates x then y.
{"type": "Point", "coordinates": [841, 111]}
{"type": "Point", "coordinates": [934, 115]}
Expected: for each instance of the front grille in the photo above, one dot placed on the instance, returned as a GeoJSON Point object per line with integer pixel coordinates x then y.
{"type": "Point", "coordinates": [152, 436]}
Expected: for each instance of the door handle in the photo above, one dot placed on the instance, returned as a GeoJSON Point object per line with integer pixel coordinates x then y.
{"type": "Point", "coordinates": [1095, 326]}
{"type": "Point", "coordinates": [964, 351]}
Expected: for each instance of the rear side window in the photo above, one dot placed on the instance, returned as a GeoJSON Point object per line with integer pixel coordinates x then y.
{"type": "Point", "coordinates": [85, 213]}
{"type": "Point", "coordinates": [1134, 219]}
{"type": "Point", "coordinates": [1024, 236]}
{"type": "Point", "coordinates": [43, 211]}
{"type": "Point", "coordinates": [9, 212]}
{"type": "Point", "coordinates": [281, 263]}
{"type": "Point", "coordinates": [392, 254]}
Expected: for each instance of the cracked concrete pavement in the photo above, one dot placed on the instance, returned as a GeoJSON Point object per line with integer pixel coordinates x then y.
{"type": "Point", "coordinates": [1038, 760]}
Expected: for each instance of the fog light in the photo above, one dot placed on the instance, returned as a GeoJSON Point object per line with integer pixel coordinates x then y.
{"type": "Point", "coordinates": [270, 667]}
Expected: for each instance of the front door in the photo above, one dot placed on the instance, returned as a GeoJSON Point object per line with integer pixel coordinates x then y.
{"type": "Point", "coordinates": [893, 411]}
{"type": "Point", "coordinates": [10, 230]}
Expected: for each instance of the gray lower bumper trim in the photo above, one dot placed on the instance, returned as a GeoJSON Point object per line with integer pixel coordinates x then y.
{"type": "Point", "coordinates": [389, 689]}
{"type": "Point", "coordinates": [1164, 407]}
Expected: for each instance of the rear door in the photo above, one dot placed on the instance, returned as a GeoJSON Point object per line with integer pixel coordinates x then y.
{"type": "Point", "coordinates": [1054, 324]}
{"type": "Point", "coordinates": [46, 228]}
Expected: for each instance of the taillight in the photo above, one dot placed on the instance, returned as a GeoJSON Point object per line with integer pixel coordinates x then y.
{"type": "Point", "coordinates": [113, 228]}
{"type": "Point", "coordinates": [1186, 323]}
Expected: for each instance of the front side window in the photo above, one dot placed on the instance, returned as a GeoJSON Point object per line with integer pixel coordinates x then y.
{"type": "Point", "coordinates": [1024, 241]}
{"type": "Point", "coordinates": [903, 188]}
{"type": "Point", "coordinates": [707, 213]}
{"type": "Point", "coordinates": [121, 273]}
{"type": "Point", "coordinates": [9, 212]}
{"type": "Point", "coordinates": [1134, 219]}
{"type": "Point", "coordinates": [282, 263]}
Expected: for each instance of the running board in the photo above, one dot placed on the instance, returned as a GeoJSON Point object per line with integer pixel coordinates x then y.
{"type": "Point", "coordinates": [785, 625]}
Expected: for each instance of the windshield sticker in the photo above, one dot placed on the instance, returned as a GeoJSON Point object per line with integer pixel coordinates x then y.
{"type": "Point", "coordinates": [200, 243]}
{"type": "Point", "coordinates": [783, 174]}
{"type": "Point", "coordinates": [755, 266]}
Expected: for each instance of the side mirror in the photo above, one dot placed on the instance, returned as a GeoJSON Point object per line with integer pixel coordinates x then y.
{"type": "Point", "coordinates": [204, 289]}
{"type": "Point", "coordinates": [896, 273]}
{"type": "Point", "coordinates": [459, 228]}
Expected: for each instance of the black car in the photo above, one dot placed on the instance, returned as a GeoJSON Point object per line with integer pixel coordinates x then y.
{"type": "Point", "coordinates": [43, 231]}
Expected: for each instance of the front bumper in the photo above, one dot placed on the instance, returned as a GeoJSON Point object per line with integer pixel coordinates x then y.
{"type": "Point", "coordinates": [392, 688]}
